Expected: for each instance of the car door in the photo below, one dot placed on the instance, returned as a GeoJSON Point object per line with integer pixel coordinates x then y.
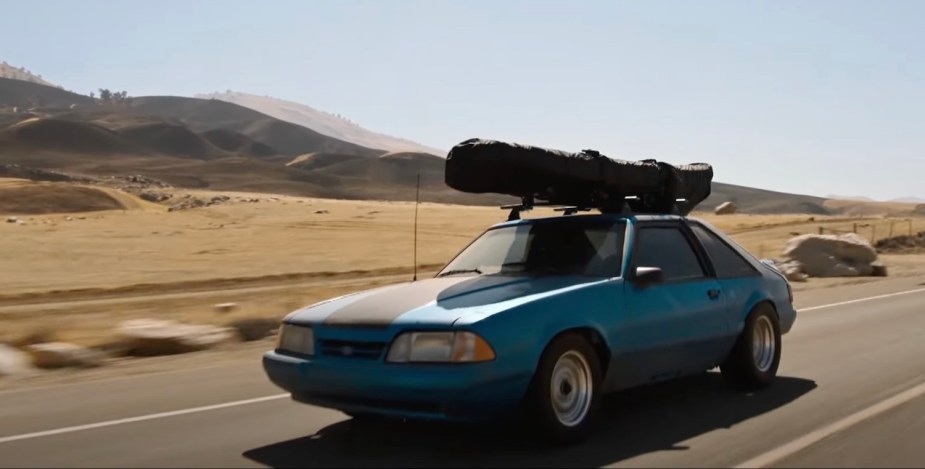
{"type": "Point", "coordinates": [737, 277]}
{"type": "Point", "coordinates": [673, 324]}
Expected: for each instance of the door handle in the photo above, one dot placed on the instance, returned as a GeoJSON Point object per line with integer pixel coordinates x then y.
{"type": "Point", "coordinates": [713, 294]}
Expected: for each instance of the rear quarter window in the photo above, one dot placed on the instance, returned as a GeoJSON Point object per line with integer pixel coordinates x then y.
{"type": "Point", "coordinates": [726, 261]}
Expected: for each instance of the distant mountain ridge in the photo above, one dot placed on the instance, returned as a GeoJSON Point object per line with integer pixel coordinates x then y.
{"type": "Point", "coordinates": [216, 144]}
{"type": "Point", "coordinates": [14, 73]}
{"type": "Point", "coordinates": [323, 122]}
{"type": "Point", "coordinates": [909, 200]}
{"type": "Point", "coordinates": [901, 200]}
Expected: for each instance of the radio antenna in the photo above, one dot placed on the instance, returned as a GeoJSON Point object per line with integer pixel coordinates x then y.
{"type": "Point", "coordinates": [417, 201]}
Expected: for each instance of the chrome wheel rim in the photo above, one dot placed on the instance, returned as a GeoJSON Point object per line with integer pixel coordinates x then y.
{"type": "Point", "coordinates": [763, 344]}
{"type": "Point", "coordinates": [571, 388]}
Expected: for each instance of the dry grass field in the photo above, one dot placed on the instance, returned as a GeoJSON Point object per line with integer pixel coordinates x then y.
{"type": "Point", "coordinates": [80, 273]}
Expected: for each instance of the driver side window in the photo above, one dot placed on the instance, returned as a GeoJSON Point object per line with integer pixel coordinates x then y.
{"type": "Point", "coordinates": [669, 249]}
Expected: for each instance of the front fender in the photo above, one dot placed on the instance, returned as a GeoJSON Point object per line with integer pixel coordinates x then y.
{"type": "Point", "coordinates": [521, 334]}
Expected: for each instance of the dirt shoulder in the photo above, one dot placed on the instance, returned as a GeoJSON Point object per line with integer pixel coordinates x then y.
{"type": "Point", "coordinates": [909, 271]}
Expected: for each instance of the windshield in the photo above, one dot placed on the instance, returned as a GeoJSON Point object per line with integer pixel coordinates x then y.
{"type": "Point", "coordinates": [566, 246]}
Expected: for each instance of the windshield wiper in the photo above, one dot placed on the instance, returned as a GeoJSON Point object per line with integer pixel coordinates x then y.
{"type": "Point", "coordinates": [460, 271]}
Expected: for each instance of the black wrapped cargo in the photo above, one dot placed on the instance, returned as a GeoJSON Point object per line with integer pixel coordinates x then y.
{"type": "Point", "coordinates": [586, 179]}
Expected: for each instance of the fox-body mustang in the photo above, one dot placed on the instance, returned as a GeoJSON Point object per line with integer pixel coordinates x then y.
{"type": "Point", "coordinates": [543, 316]}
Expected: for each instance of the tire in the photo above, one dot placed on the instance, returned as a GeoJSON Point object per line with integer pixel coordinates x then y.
{"type": "Point", "coordinates": [751, 365]}
{"type": "Point", "coordinates": [569, 374]}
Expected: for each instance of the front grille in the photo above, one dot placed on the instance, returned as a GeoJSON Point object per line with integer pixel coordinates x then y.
{"type": "Point", "coordinates": [352, 349]}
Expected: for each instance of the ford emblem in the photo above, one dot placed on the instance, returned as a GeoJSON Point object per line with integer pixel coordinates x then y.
{"type": "Point", "coordinates": [346, 351]}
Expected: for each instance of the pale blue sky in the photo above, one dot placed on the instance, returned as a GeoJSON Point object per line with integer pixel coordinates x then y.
{"type": "Point", "coordinates": [815, 97]}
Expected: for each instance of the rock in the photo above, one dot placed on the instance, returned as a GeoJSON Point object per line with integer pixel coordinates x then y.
{"type": "Point", "coordinates": [13, 361]}
{"type": "Point", "coordinates": [188, 203]}
{"type": "Point", "coordinates": [847, 255]}
{"type": "Point", "coordinates": [725, 208]}
{"type": "Point", "coordinates": [902, 244]}
{"type": "Point", "coordinates": [321, 211]}
{"type": "Point", "coordinates": [153, 196]}
{"type": "Point", "coordinates": [62, 355]}
{"type": "Point", "coordinates": [149, 337]}
{"type": "Point", "coordinates": [791, 269]}
{"type": "Point", "coordinates": [255, 328]}
{"type": "Point", "coordinates": [879, 269]}
{"type": "Point", "coordinates": [12, 219]}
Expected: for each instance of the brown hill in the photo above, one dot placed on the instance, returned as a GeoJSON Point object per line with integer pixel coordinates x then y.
{"type": "Point", "coordinates": [49, 134]}
{"type": "Point", "coordinates": [19, 197]}
{"type": "Point", "coordinates": [203, 115]}
{"type": "Point", "coordinates": [322, 122]}
{"type": "Point", "coordinates": [760, 201]}
{"type": "Point", "coordinates": [25, 94]}
{"type": "Point", "coordinates": [9, 71]}
{"type": "Point", "coordinates": [216, 144]}
{"type": "Point", "coordinates": [314, 161]}
{"type": "Point", "coordinates": [239, 143]}
{"type": "Point", "coordinates": [390, 177]}
{"type": "Point", "coordinates": [173, 140]}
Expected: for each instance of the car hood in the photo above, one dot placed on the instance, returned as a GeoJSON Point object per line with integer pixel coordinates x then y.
{"type": "Point", "coordinates": [437, 301]}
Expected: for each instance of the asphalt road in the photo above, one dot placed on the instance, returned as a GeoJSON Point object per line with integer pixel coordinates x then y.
{"type": "Point", "coordinates": [851, 393]}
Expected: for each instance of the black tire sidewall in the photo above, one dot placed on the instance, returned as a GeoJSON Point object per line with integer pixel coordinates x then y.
{"type": "Point", "coordinates": [540, 406]}
{"type": "Point", "coordinates": [746, 359]}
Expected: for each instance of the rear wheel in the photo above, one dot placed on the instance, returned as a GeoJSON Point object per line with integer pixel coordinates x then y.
{"type": "Point", "coordinates": [563, 400]}
{"type": "Point", "coordinates": [753, 361]}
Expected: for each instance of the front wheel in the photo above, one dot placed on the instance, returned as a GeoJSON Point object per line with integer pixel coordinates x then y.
{"type": "Point", "coordinates": [563, 399]}
{"type": "Point", "coordinates": [753, 362]}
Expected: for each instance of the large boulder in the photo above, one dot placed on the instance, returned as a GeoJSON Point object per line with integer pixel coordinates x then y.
{"type": "Point", "coordinates": [725, 208]}
{"type": "Point", "coordinates": [791, 269]}
{"type": "Point", "coordinates": [13, 361]}
{"type": "Point", "coordinates": [847, 255]}
{"type": "Point", "coordinates": [61, 355]}
{"type": "Point", "coordinates": [150, 337]}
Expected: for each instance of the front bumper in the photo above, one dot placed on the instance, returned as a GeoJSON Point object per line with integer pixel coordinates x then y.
{"type": "Point", "coordinates": [452, 392]}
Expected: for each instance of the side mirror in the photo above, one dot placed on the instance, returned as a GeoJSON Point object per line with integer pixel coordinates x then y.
{"type": "Point", "coordinates": [647, 276]}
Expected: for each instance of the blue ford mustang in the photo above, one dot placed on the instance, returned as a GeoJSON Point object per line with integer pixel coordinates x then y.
{"type": "Point", "coordinates": [544, 316]}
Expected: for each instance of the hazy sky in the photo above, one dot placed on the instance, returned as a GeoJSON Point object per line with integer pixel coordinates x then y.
{"type": "Point", "coordinates": [815, 97]}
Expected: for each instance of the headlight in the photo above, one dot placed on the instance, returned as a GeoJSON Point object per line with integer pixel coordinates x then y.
{"type": "Point", "coordinates": [439, 347]}
{"type": "Point", "coordinates": [296, 339]}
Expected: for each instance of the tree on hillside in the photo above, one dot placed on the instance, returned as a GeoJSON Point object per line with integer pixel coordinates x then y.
{"type": "Point", "coordinates": [105, 94]}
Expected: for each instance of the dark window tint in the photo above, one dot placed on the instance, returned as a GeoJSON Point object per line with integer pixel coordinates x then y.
{"type": "Point", "coordinates": [562, 246]}
{"type": "Point", "coordinates": [727, 262]}
{"type": "Point", "coordinates": [668, 249]}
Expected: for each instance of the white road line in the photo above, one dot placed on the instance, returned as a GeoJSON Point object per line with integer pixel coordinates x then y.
{"type": "Point", "coordinates": [109, 423]}
{"type": "Point", "coordinates": [878, 297]}
{"type": "Point", "coordinates": [811, 438]}
{"type": "Point", "coordinates": [892, 402]}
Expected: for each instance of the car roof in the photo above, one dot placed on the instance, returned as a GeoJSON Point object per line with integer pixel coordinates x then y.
{"type": "Point", "coordinates": [610, 216]}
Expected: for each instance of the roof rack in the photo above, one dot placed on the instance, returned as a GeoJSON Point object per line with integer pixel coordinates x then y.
{"type": "Point", "coordinates": [630, 205]}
